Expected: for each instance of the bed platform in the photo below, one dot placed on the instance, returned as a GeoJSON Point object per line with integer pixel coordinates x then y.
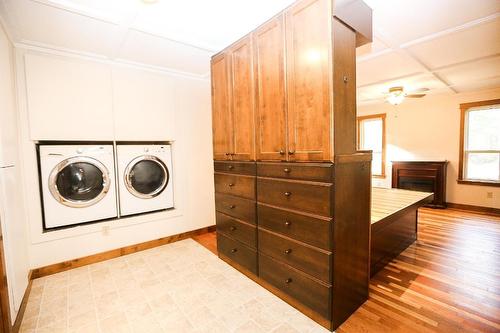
{"type": "Point", "coordinates": [393, 223]}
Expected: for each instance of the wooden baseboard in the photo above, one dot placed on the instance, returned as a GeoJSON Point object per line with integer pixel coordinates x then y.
{"type": "Point", "coordinates": [20, 315]}
{"type": "Point", "coordinates": [98, 257]}
{"type": "Point", "coordinates": [476, 209]}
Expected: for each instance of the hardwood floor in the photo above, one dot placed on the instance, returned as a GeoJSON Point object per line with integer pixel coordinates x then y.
{"type": "Point", "coordinates": [448, 281]}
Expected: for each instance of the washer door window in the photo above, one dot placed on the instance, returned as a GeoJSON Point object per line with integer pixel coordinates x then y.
{"type": "Point", "coordinates": [79, 182]}
{"type": "Point", "coordinates": [146, 176]}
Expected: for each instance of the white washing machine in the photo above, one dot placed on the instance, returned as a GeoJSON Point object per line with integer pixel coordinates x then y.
{"type": "Point", "coordinates": [145, 178]}
{"type": "Point", "coordinates": [78, 184]}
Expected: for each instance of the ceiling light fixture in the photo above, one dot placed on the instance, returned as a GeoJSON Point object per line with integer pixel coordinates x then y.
{"type": "Point", "coordinates": [396, 96]}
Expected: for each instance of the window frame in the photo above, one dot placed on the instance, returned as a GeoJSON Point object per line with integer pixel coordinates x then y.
{"type": "Point", "coordinates": [359, 120]}
{"type": "Point", "coordinates": [464, 108]}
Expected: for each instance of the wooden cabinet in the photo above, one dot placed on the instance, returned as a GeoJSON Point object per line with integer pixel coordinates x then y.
{"type": "Point", "coordinates": [284, 94]}
{"type": "Point", "coordinates": [271, 126]}
{"type": "Point", "coordinates": [221, 109]}
{"type": "Point", "coordinates": [233, 103]}
{"type": "Point", "coordinates": [308, 59]}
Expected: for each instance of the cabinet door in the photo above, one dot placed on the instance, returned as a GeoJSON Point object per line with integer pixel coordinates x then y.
{"type": "Point", "coordinates": [221, 112]}
{"type": "Point", "coordinates": [68, 99]}
{"type": "Point", "coordinates": [242, 98]}
{"type": "Point", "coordinates": [271, 124]}
{"type": "Point", "coordinates": [308, 41]}
{"type": "Point", "coordinates": [143, 104]}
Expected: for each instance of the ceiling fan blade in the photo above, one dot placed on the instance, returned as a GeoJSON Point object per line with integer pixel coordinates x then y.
{"type": "Point", "coordinates": [415, 96]}
{"type": "Point", "coordinates": [420, 90]}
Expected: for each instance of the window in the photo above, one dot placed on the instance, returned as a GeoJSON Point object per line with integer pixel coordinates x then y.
{"type": "Point", "coordinates": [371, 136]}
{"type": "Point", "coordinates": [480, 143]}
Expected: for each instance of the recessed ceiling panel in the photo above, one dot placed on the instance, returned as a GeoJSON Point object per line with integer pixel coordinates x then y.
{"type": "Point", "coordinates": [145, 48]}
{"type": "Point", "coordinates": [406, 20]}
{"type": "Point", "coordinates": [479, 41]}
{"type": "Point", "coordinates": [473, 71]}
{"type": "Point", "coordinates": [209, 24]}
{"type": "Point", "coordinates": [48, 25]}
{"type": "Point", "coordinates": [385, 67]}
{"type": "Point", "coordinates": [478, 85]}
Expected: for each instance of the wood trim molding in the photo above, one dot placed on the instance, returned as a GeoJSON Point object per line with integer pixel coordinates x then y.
{"type": "Point", "coordinates": [358, 135]}
{"type": "Point", "coordinates": [475, 209]}
{"type": "Point", "coordinates": [463, 109]}
{"type": "Point", "coordinates": [98, 257]}
{"type": "Point", "coordinates": [20, 315]}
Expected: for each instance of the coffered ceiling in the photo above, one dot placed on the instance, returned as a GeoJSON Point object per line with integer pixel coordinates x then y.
{"type": "Point", "coordinates": [448, 46]}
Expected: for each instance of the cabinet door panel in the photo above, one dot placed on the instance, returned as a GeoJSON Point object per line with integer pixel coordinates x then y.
{"type": "Point", "coordinates": [221, 112]}
{"type": "Point", "coordinates": [270, 91]}
{"type": "Point", "coordinates": [242, 100]}
{"type": "Point", "coordinates": [308, 32]}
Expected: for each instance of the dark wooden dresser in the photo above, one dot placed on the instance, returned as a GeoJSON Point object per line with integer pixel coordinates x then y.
{"type": "Point", "coordinates": [300, 230]}
{"type": "Point", "coordinates": [425, 176]}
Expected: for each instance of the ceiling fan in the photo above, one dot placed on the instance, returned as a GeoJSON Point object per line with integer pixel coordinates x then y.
{"type": "Point", "coordinates": [396, 95]}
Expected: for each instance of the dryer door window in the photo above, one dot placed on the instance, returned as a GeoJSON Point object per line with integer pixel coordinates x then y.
{"type": "Point", "coordinates": [146, 177]}
{"type": "Point", "coordinates": [79, 182]}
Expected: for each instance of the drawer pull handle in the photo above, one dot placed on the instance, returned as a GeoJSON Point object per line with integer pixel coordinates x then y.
{"type": "Point", "coordinates": [231, 184]}
{"type": "Point", "coordinates": [232, 207]}
{"type": "Point", "coordinates": [287, 170]}
{"type": "Point", "coordinates": [227, 154]}
{"type": "Point", "coordinates": [288, 223]}
{"type": "Point", "coordinates": [288, 281]}
{"type": "Point", "coordinates": [232, 228]}
{"type": "Point", "coordinates": [234, 250]}
{"type": "Point", "coordinates": [287, 194]}
{"type": "Point", "coordinates": [288, 251]}
{"type": "Point", "coordinates": [291, 152]}
{"type": "Point", "coordinates": [231, 167]}
{"type": "Point", "coordinates": [282, 152]}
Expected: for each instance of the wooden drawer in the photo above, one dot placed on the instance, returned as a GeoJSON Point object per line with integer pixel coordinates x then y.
{"type": "Point", "coordinates": [244, 168]}
{"type": "Point", "coordinates": [242, 186]}
{"type": "Point", "coordinates": [238, 252]}
{"type": "Point", "coordinates": [308, 291]}
{"type": "Point", "coordinates": [318, 172]}
{"type": "Point", "coordinates": [311, 230]}
{"type": "Point", "coordinates": [315, 198]}
{"type": "Point", "coordinates": [310, 260]}
{"type": "Point", "coordinates": [240, 208]}
{"type": "Point", "coordinates": [241, 231]}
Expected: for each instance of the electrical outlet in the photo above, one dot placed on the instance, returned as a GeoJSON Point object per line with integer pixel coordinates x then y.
{"type": "Point", "coordinates": [489, 195]}
{"type": "Point", "coordinates": [105, 230]}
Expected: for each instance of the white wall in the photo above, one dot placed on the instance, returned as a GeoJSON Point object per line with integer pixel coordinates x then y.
{"type": "Point", "coordinates": [192, 180]}
{"type": "Point", "coordinates": [12, 212]}
{"type": "Point", "coordinates": [427, 129]}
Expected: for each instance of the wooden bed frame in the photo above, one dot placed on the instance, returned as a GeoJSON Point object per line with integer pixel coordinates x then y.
{"type": "Point", "coordinates": [394, 223]}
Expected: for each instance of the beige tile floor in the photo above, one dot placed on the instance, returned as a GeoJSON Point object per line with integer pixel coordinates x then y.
{"type": "Point", "coordinates": [179, 287]}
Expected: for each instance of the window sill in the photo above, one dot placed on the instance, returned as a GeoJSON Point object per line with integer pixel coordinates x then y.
{"type": "Point", "coordinates": [378, 176]}
{"type": "Point", "coordinates": [478, 182]}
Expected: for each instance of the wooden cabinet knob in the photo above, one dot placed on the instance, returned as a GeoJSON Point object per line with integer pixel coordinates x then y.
{"type": "Point", "coordinates": [234, 250]}
{"type": "Point", "coordinates": [288, 223]}
{"type": "Point", "coordinates": [227, 154]}
{"type": "Point", "coordinates": [288, 251]}
{"type": "Point", "coordinates": [287, 170]}
{"type": "Point", "coordinates": [231, 167]}
{"type": "Point", "coordinates": [282, 152]}
{"type": "Point", "coordinates": [288, 281]}
{"type": "Point", "coordinates": [291, 152]}
{"type": "Point", "coordinates": [231, 184]}
{"type": "Point", "coordinates": [232, 228]}
{"type": "Point", "coordinates": [232, 207]}
{"type": "Point", "coordinates": [287, 194]}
